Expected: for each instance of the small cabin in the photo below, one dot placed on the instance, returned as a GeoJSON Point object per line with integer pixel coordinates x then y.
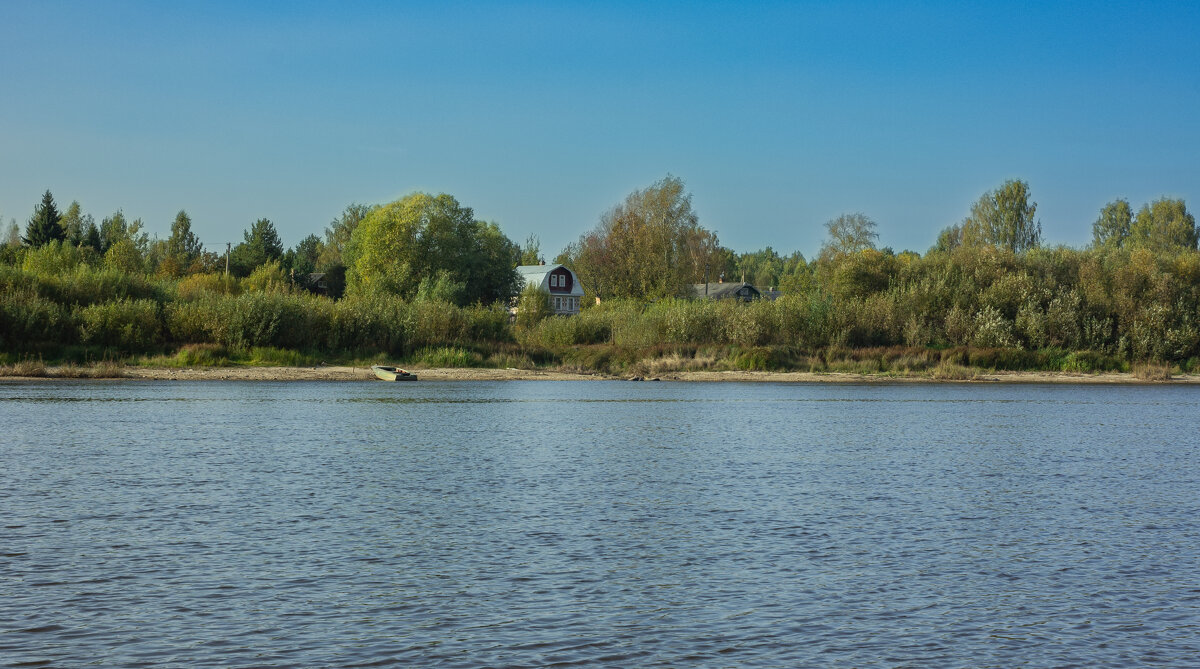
{"type": "Point", "coordinates": [562, 284]}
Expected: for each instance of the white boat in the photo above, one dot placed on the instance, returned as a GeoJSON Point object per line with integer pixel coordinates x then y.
{"type": "Point", "coordinates": [386, 373]}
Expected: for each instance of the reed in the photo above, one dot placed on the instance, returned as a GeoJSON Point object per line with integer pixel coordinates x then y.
{"type": "Point", "coordinates": [1152, 372]}
{"type": "Point", "coordinates": [950, 371]}
{"type": "Point", "coordinates": [26, 367]}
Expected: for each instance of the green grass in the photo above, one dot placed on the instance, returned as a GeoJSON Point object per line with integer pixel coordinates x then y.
{"type": "Point", "coordinates": [447, 356]}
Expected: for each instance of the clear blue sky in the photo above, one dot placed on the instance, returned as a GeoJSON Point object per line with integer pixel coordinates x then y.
{"type": "Point", "coordinates": [540, 116]}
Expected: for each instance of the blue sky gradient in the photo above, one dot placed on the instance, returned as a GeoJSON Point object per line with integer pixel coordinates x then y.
{"type": "Point", "coordinates": [541, 116]}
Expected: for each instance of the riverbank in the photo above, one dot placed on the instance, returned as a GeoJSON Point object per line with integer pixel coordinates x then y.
{"type": "Point", "coordinates": [347, 373]}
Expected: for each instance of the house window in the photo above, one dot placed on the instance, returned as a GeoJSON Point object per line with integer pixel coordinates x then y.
{"type": "Point", "coordinates": [558, 304]}
{"type": "Point", "coordinates": [554, 281]}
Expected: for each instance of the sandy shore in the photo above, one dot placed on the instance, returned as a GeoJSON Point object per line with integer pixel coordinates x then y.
{"type": "Point", "coordinates": [336, 373]}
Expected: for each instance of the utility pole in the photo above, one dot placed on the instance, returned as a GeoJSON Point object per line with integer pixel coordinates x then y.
{"type": "Point", "coordinates": [227, 245]}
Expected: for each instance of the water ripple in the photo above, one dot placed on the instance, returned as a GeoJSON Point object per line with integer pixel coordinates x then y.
{"type": "Point", "coordinates": [598, 524]}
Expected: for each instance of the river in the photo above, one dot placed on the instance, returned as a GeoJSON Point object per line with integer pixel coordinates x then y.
{"type": "Point", "coordinates": [521, 524]}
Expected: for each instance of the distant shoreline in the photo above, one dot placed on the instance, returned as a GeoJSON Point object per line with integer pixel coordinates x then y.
{"type": "Point", "coordinates": [345, 373]}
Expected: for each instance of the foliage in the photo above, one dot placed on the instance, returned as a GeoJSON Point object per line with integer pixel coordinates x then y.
{"type": "Point", "coordinates": [12, 234]}
{"type": "Point", "coordinates": [766, 269]}
{"type": "Point", "coordinates": [1005, 218]}
{"type": "Point", "coordinates": [124, 255]}
{"type": "Point", "coordinates": [849, 234]}
{"type": "Point", "coordinates": [44, 226]}
{"type": "Point", "coordinates": [268, 277]}
{"type": "Point", "coordinates": [196, 286]}
{"type": "Point", "coordinates": [302, 260]}
{"type": "Point", "coordinates": [530, 251]}
{"type": "Point", "coordinates": [649, 246]}
{"type": "Point", "coordinates": [128, 325]}
{"type": "Point", "coordinates": [440, 288]}
{"type": "Point", "coordinates": [79, 228]}
{"type": "Point", "coordinates": [28, 319]}
{"type": "Point", "coordinates": [53, 258]}
{"type": "Point", "coordinates": [183, 248]}
{"type": "Point", "coordinates": [1164, 225]}
{"type": "Point", "coordinates": [446, 356]}
{"type": "Point", "coordinates": [533, 306]}
{"type": "Point", "coordinates": [116, 229]}
{"type": "Point", "coordinates": [1112, 228]}
{"type": "Point", "coordinates": [431, 238]}
{"type": "Point", "coordinates": [986, 297]}
{"type": "Point", "coordinates": [260, 245]}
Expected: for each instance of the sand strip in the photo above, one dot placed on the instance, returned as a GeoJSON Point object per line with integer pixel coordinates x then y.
{"type": "Point", "coordinates": [340, 373]}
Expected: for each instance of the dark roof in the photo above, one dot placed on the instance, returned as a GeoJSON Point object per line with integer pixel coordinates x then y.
{"type": "Point", "coordinates": [722, 291]}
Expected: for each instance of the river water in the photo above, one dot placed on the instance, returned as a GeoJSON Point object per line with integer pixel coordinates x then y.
{"type": "Point", "coordinates": [598, 524]}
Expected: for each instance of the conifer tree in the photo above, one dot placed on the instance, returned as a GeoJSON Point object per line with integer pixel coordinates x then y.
{"type": "Point", "coordinates": [44, 226]}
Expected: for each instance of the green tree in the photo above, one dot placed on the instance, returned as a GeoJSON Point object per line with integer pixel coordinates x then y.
{"type": "Point", "coordinates": [302, 259]}
{"type": "Point", "coordinates": [649, 246]}
{"type": "Point", "coordinates": [340, 231]}
{"type": "Point", "coordinates": [125, 255]}
{"type": "Point", "coordinates": [1164, 225]}
{"type": "Point", "coordinates": [331, 261]}
{"type": "Point", "coordinates": [433, 239]}
{"type": "Point", "coordinates": [1004, 218]}
{"type": "Point", "coordinates": [492, 259]}
{"type": "Point", "coordinates": [260, 244]}
{"type": "Point", "coordinates": [1112, 228]}
{"type": "Point", "coordinates": [77, 225]}
{"type": "Point", "coordinates": [12, 236]}
{"type": "Point", "coordinates": [533, 307]}
{"type": "Point", "coordinates": [849, 233]}
{"type": "Point", "coordinates": [91, 235]}
{"type": "Point", "coordinates": [531, 251]}
{"type": "Point", "coordinates": [183, 245]}
{"type": "Point", "coordinates": [948, 239]}
{"type": "Point", "coordinates": [116, 228]}
{"type": "Point", "coordinates": [765, 268]}
{"type": "Point", "coordinates": [44, 226]}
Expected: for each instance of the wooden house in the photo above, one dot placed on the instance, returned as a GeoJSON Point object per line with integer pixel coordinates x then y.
{"type": "Point", "coordinates": [562, 284]}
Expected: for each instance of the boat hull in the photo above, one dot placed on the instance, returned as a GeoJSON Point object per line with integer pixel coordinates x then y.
{"type": "Point", "coordinates": [384, 373]}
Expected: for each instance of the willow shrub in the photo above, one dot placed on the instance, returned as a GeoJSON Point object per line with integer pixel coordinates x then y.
{"type": "Point", "coordinates": [273, 319]}
{"type": "Point", "coordinates": [56, 258]}
{"type": "Point", "coordinates": [196, 286]}
{"type": "Point", "coordinates": [128, 325]}
{"type": "Point", "coordinates": [294, 321]}
{"type": "Point", "coordinates": [371, 322]}
{"type": "Point", "coordinates": [27, 319]}
{"type": "Point", "coordinates": [486, 323]}
{"type": "Point", "coordinates": [86, 285]}
{"type": "Point", "coordinates": [267, 278]}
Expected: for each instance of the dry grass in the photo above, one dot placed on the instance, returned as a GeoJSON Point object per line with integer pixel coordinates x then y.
{"type": "Point", "coordinates": [71, 371]}
{"type": "Point", "coordinates": [949, 371]}
{"type": "Point", "coordinates": [1152, 372]}
{"type": "Point", "coordinates": [105, 369]}
{"type": "Point", "coordinates": [674, 362]}
{"type": "Point", "coordinates": [25, 368]}
{"type": "Point", "coordinates": [108, 369]}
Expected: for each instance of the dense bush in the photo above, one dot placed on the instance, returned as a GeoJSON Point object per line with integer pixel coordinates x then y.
{"type": "Point", "coordinates": [27, 319]}
{"type": "Point", "coordinates": [128, 325]}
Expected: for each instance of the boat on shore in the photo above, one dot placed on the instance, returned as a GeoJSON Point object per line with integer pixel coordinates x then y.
{"type": "Point", "coordinates": [385, 373]}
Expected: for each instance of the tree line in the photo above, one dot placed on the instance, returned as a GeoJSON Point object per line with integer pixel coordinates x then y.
{"type": "Point", "coordinates": [987, 282]}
